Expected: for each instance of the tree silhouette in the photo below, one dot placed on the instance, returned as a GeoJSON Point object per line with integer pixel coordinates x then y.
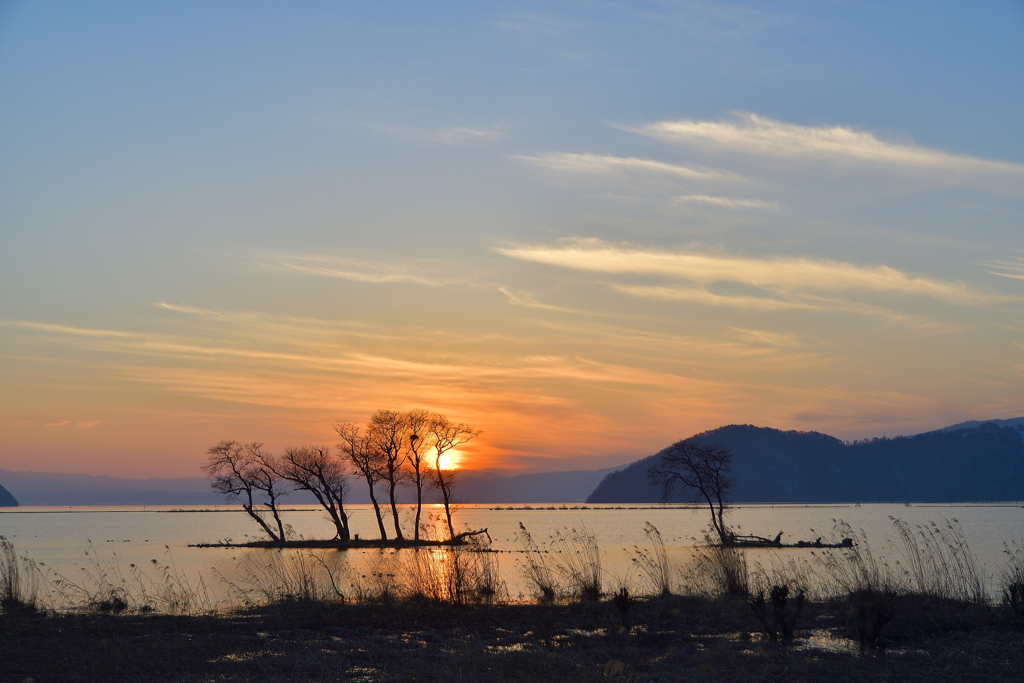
{"type": "Point", "coordinates": [314, 469]}
{"type": "Point", "coordinates": [242, 472]}
{"type": "Point", "coordinates": [447, 435]}
{"type": "Point", "coordinates": [360, 451]}
{"type": "Point", "coordinates": [703, 470]}
{"type": "Point", "coordinates": [387, 433]}
{"type": "Point", "coordinates": [417, 444]}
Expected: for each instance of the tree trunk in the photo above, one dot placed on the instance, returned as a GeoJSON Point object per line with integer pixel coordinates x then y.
{"type": "Point", "coordinates": [376, 511]}
{"type": "Point", "coordinates": [394, 512]}
{"type": "Point", "coordinates": [419, 505]}
{"type": "Point", "coordinates": [344, 532]}
{"type": "Point", "coordinates": [446, 494]}
{"type": "Point", "coordinates": [255, 515]}
{"type": "Point", "coordinates": [277, 518]}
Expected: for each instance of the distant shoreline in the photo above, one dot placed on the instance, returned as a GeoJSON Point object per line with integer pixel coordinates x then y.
{"type": "Point", "coordinates": [530, 507]}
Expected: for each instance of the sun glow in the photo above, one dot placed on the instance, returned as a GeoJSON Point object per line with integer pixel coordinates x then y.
{"type": "Point", "coordinates": [452, 460]}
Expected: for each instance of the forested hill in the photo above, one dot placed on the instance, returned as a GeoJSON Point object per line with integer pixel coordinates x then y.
{"type": "Point", "coordinates": [6, 499]}
{"type": "Point", "coordinates": [982, 463]}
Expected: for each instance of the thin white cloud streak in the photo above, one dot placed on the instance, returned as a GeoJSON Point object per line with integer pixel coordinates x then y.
{"type": "Point", "coordinates": [67, 329]}
{"type": "Point", "coordinates": [788, 340]}
{"type": "Point", "coordinates": [662, 350]}
{"type": "Point", "coordinates": [795, 301]}
{"type": "Point", "coordinates": [727, 202]}
{"type": "Point", "coordinates": [1013, 268]}
{"type": "Point", "coordinates": [759, 135]}
{"type": "Point", "coordinates": [351, 269]}
{"type": "Point", "coordinates": [442, 366]}
{"type": "Point", "coordinates": [604, 165]}
{"type": "Point", "coordinates": [703, 296]}
{"type": "Point", "coordinates": [528, 300]}
{"type": "Point", "coordinates": [444, 135]}
{"type": "Point", "coordinates": [309, 333]}
{"type": "Point", "coordinates": [780, 275]}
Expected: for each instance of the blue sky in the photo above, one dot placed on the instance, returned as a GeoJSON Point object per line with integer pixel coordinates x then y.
{"type": "Point", "coordinates": [589, 229]}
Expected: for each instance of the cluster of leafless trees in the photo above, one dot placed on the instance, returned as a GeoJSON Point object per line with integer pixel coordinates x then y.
{"type": "Point", "coordinates": [395, 449]}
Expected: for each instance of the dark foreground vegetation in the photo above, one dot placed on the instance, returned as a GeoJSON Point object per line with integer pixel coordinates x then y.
{"type": "Point", "coordinates": [444, 614]}
{"type": "Point", "coordinates": [671, 638]}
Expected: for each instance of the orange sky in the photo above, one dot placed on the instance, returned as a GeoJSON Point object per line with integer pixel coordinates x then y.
{"type": "Point", "coordinates": [586, 230]}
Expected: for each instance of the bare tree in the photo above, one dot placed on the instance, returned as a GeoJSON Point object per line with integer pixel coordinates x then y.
{"type": "Point", "coordinates": [360, 451]}
{"type": "Point", "coordinates": [417, 445]}
{"type": "Point", "coordinates": [387, 432]}
{"type": "Point", "coordinates": [446, 436]}
{"type": "Point", "coordinates": [703, 470]}
{"type": "Point", "coordinates": [243, 472]}
{"type": "Point", "coordinates": [314, 469]}
{"type": "Point", "coordinates": [267, 481]}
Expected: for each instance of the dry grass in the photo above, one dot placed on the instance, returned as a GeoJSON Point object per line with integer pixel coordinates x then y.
{"type": "Point", "coordinates": [1012, 582]}
{"type": "Point", "coordinates": [304, 616]}
{"type": "Point", "coordinates": [716, 571]}
{"type": "Point", "coordinates": [936, 561]}
{"type": "Point", "coordinates": [577, 559]}
{"type": "Point", "coordinates": [535, 567]}
{"type": "Point", "coordinates": [457, 575]}
{"type": "Point", "coordinates": [275, 576]}
{"type": "Point", "coordinates": [19, 580]}
{"type": "Point", "coordinates": [652, 563]}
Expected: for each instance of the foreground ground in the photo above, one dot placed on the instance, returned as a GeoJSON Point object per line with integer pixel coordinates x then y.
{"type": "Point", "coordinates": [671, 639]}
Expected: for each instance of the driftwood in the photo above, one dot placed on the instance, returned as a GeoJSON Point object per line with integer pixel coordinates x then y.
{"type": "Point", "coordinates": [761, 542]}
{"type": "Point", "coordinates": [335, 544]}
{"type": "Point", "coordinates": [460, 539]}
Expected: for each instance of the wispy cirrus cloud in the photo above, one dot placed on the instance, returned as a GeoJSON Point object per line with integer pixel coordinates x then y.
{"type": "Point", "coordinates": [635, 177]}
{"type": "Point", "coordinates": [1011, 268]}
{"type": "Point", "coordinates": [214, 367]}
{"type": "Point", "coordinates": [534, 24]}
{"type": "Point", "coordinates": [794, 277]}
{"type": "Point", "coordinates": [704, 296]}
{"type": "Point", "coordinates": [528, 300]}
{"type": "Point", "coordinates": [354, 270]}
{"type": "Point", "coordinates": [605, 165]}
{"type": "Point", "coordinates": [727, 202]}
{"type": "Point", "coordinates": [767, 337]}
{"type": "Point", "coordinates": [751, 134]}
{"type": "Point", "coordinates": [443, 135]}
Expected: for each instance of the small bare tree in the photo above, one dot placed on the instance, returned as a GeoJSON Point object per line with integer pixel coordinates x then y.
{"type": "Point", "coordinates": [446, 436]}
{"type": "Point", "coordinates": [387, 432]}
{"type": "Point", "coordinates": [417, 445]}
{"type": "Point", "coordinates": [245, 472]}
{"type": "Point", "coordinates": [359, 450]}
{"type": "Point", "coordinates": [702, 469]}
{"type": "Point", "coordinates": [314, 469]}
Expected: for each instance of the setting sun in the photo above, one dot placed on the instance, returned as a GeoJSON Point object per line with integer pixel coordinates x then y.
{"type": "Point", "coordinates": [452, 460]}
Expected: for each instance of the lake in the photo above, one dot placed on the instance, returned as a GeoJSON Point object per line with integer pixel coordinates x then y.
{"type": "Point", "coordinates": [81, 541]}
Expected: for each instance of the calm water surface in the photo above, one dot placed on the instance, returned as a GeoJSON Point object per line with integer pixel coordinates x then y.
{"type": "Point", "coordinates": [70, 541]}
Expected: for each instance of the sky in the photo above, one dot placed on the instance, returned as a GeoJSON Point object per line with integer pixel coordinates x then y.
{"type": "Point", "coordinates": [588, 229]}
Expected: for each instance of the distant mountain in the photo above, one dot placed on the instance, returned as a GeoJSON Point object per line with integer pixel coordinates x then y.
{"type": "Point", "coordinates": [6, 499]}
{"type": "Point", "coordinates": [54, 488]}
{"type": "Point", "coordinates": [1015, 423]}
{"type": "Point", "coordinates": [51, 488]}
{"type": "Point", "coordinates": [975, 463]}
